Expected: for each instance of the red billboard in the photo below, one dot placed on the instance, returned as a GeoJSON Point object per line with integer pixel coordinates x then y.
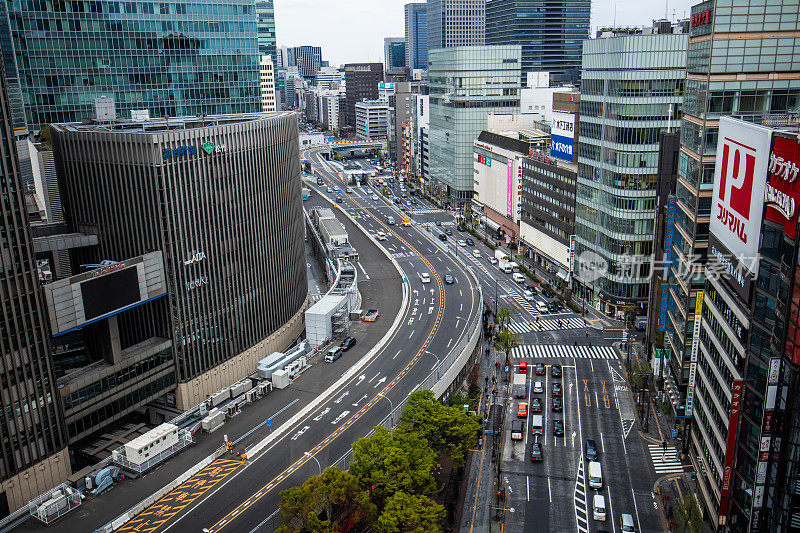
{"type": "Point", "coordinates": [727, 474]}
{"type": "Point", "coordinates": [783, 189]}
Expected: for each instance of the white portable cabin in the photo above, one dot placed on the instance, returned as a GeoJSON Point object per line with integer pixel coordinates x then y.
{"type": "Point", "coordinates": [155, 441]}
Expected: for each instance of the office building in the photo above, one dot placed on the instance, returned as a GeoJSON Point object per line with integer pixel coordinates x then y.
{"type": "Point", "coordinates": [34, 456]}
{"type": "Point", "coordinates": [420, 156]}
{"type": "Point", "coordinates": [631, 91]}
{"type": "Point", "coordinates": [394, 56]}
{"type": "Point", "coordinates": [416, 36]}
{"type": "Point", "coordinates": [467, 84]}
{"type": "Point", "coordinates": [172, 59]}
{"type": "Point", "coordinates": [234, 295]}
{"type": "Point", "coordinates": [733, 69]}
{"type": "Point", "coordinates": [401, 111]}
{"type": "Point", "coordinates": [372, 120]}
{"type": "Point", "coordinates": [743, 394]}
{"type": "Point", "coordinates": [455, 23]}
{"type": "Point", "coordinates": [330, 110]}
{"type": "Point", "coordinates": [329, 78]}
{"type": "Point", "coordinates": [265, 20]}
{"type": "Point", "coordinates": [361, 83]}
{"type": "Point", "coordinates": [269, 103]}
{"type": "Point", "coordinates": [551, 34]}
{"type": "Point", "coordinates": [307, 59]}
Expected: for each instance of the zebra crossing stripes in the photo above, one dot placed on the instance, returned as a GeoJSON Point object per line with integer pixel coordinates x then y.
{"type": "Point", "coordinates": [671, 463]}
{"type": "Point", "coordinates": [556, 351]}
{"type": "Point", "coordinates": [551, 324]}
{"type": "Point", "coordinates": [425, 211]}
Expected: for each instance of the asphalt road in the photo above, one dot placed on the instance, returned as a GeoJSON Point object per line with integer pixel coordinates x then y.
{"type": "Point", "coordinates": [431, 327]}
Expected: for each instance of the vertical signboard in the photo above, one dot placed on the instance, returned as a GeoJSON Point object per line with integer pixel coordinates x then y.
{"type": "Point", "coordinates": [572, 241]}
{"type": "Point", "coordinates": [733, 423]}
{"type": "Point", "coordinates": [668, 232]}
{"type": "Point", "coordinates": [562, 135]}
{"type": "Point", "coordinates": [783, 189]}
{"type": "Point", "coordinates": [740, 180]}
{"type": "Point", "coordinates": [510, 189]}
{"type": "Point", "coordinates": [698, 309]}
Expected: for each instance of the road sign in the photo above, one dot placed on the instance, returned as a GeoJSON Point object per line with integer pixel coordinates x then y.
{"type": "Point", "coordinates": [269, 422]}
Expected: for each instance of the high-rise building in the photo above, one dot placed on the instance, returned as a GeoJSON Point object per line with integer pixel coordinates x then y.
{"type": "Point", "coordinates": [551, 34]}
{"type": "Point", "coordinates": [307, 59]}
{"type": "Point", "coordinates": [736, 69]}
{"type": "Point", "coordinates": [361, 83]}
{"type": "Point", "coordinates": [265, 15]}
{"type": "Point", "coordinates": [174, 59]}
{"type": "Point", "coordinates": [632, 89]}
{"type": "Point", "coordinates": [329, 78]}
{"type": "Point", "coordinates": [416, 36]}
{"type": "Point", "coordinates": [34, 457]}
{"type": "Point", "coordinates": [234, 295]}
{"type": "Point", "coordinates": [467, 83]}
{"type": "Point", "coordinates": [456, 23]}
{"type": "Point", "coordinates": [372, 120]}
{"type": "Point", "coordinates": [268, 101]}
{"type": "Point", "coordinates": [394, 55]}
{"type": "Point", "coordinates": [743, 394]}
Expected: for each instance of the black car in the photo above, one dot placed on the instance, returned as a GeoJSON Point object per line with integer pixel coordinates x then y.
{"type": "Point", "coordinates": [461, 227]}
{"type": "Point", "coordinates": [442, 237]}
{"type": "Point", "coordinates": [539, 369]}
{"type": "Point", "coordinates": [558, 428]}
{"type": "Point", "coordinates": [448, 279]}
{"type": "Point", "coordinates": [536, 452]}
{"type": "Point", "coordinates": [556, 389]}
{"type": "Point", "coordinates": [555, 371]}
{"type": "Point", "coordinates": [338, 199]}
{"type": "Point", "coordinates": [591, 450]}
{"type": "Point", "coordinates": [531, 288]}
{"type": "Point", "coordinates": [552, 307]}
{"type": "Point", "coordinates": [470, 242]}
{"type": "Point", "coordinates": [556, 404]}
{"type": "Point", "coordinates": [449, 231]}
{"type": "Point", "coordinates": [348, 343]}
{"type": "Point", "coordinates": [548, 293]}
{"type": "Point", "coordinates": [536, 405]}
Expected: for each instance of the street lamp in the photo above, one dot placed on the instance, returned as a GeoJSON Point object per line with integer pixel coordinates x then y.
{"type": "Point", "coordinates": [437, 364]}
{"type": "Point", "coordinates": [391, 413]}
{"type": "Point", "coordinates": [308, 454]}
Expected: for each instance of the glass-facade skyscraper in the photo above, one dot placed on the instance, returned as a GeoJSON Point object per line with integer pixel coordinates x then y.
{"type": "Point", "coordinates": [551, 33]}
{"type": "Point", "coordinates": [172, 58]}
{"type": "Point", "coordinates": [265, 11]}
{"type": "Point", "coordinates": [417, 36]}
{"type": "Point", "coordinates": [632, 90]}
{"type": "Point", "coordinates": [456, 23]}
{"type": "Point", "coordinates": [467, 84]}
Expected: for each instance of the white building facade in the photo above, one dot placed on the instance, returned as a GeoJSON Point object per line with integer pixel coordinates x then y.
{"type": "Point", "coordinates": [372, 120]}
{"type": "Point", "coordinates": [269, 103]}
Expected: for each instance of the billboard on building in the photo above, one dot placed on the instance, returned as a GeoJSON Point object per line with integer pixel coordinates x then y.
{"type": "Point", "coordinates": [739, 183]}
{"type": "Point", "coordinates": [668, 237]}
{"type": "Point", "coordinates": [733, 426]}
{"type": "Point", "coordinates": [562, 135]}
{"type": "Point", "coordinates": [783, 190]}
{"type": "Point", "coordinates": [698, 310]}
{"type": "Point", "coordinates": [510, 188]}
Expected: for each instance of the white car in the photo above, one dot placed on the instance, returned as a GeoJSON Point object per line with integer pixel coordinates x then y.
{"type": "Point", "coordinates": [492, 260]}
{"type": "Point", "coordinates": [425, 277]}
{"type": "Point", "coordinates": [538, 388]}
{"type": "Point", "coordinates": [542, 308]}
{"type": "Point", "coordinates": [381, 236]}
{"type": "Point", "coordinates": [528, 296]}
{"type": "Point", "coordinates": [375, 197]}
{"type": "Point", "coordinates": [330, 190]}
{"type": "Point", "coordinates": [462, 243]}
{"type": "Point", "coordinates": [476, 253]}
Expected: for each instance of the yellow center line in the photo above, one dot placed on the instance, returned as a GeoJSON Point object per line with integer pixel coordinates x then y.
{"type": "Point", "coordinates": [266, 489]}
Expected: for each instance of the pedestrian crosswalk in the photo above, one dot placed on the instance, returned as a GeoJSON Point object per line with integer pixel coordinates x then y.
{"type": "Point", "coordinates": [557, 351]}
{"type": "Point", "coordinates": [551, 324]}
{"type": "Point", "coordinates": [665, 462]}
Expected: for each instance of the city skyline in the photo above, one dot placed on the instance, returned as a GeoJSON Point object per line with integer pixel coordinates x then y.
{"type": "Point", "coordinates": [295, 27]}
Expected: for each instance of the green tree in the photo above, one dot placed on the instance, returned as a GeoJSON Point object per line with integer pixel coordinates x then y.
{"type": "Point", "coordinates": [687, 514]}
{"type": "Point", "coordinates": [448, 430]}
{"type": "Point", "coordinates": [503, 317]}
{"type": "Point", "coordinates": [385, 463]}
{"type": "Point", "coordinates": [405, 513]}
{"type": "Point", "coordinates": [507, 340]}
{"type": "Point", "coordinates": [334, 493]}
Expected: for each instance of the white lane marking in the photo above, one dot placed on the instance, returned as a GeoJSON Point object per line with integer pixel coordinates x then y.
{"type": "Point", "coordinates": [366, 276]}
{"type": "Point", "coordinates": [398, 353]}
{"type": "Point", "coordinates": [374, 377]}
{"type": "Point", "coordinates": [549, 490]}
{"type": "Point", "coordinates": [636, 508]}
{"type": "Point", "coordinates": [611, 509]}
{"type": "Point", "coordinates": [528, 484]}
{"type": "Point", "coordinates": [450, 342]}
{"type": "Point", "coordinates": [602, 443]}
{"type": "Point", "coordinates": [411, 334]}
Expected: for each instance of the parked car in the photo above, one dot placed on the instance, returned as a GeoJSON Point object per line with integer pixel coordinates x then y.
{"type": "Point", "coordinates": [538, 388]}
{"type": "Point", "coordinates": [492, 260]}
{"type": "Point", "coordinates": [555, 371]}
{"type": "Point", "coordinates": [462, 242]}
{"type": "Point", "coordinates": [333, 354]}
{"type": "Point", "coordinates": [548, 293]}
{"type": "Point", "coordinates": [470, 242]}
{"type": "Point", "coordinates": [552, 307]}
{"type": "Point", "coordinates": [542, 308]}
{"type": "Point", "coordinates": [461, 227]}
{"type": "Point", "coordinates": [528, 295]}
{"type": "Point", "coordinates": [557, 389]}
{"type": "Point", "coordinates": [539, 369]}
{"type": "Point", "coordinates": [348, 343]}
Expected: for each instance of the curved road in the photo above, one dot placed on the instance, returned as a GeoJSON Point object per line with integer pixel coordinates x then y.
{"type": "Point", "coordinates": [431, 327]}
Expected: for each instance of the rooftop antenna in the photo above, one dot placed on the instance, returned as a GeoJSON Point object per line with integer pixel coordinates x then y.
{"type": "Point", "coordinates": [666, 9]}
{"type": "Point", "coordinates": [615, 15]}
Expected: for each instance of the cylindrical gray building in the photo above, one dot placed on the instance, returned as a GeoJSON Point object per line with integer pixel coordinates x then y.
{"type": "Point", "coordinates": [220, 197]}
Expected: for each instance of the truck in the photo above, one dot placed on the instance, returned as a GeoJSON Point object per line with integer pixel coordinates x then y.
{"type": "Point", "coordinates": [519, 388]}
{"type": "Point", "coordinates": [371, 315]}
{"type": "Point", "coordinates": [503, 262]}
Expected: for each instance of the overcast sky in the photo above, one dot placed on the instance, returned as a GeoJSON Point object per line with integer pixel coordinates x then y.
{"type": "Point", "coordinates": [353, 30]}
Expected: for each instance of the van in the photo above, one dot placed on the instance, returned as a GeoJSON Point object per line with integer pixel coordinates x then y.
{"type": "Point", "coordinates": [542, 308]}
{"type": "Point", "coordinates": [599, 508]}
{"type": "Point", "coordinates": [505, 267]}
{"type": "Point", "coordinates": [523, 367]}
{"type": "Point", "coordinates": [595, 475]}
{"type": "Point", "coordinates": [627, 524]}
{"type": "Point", "coordinates": [333, 354]}
{"type": "Point", "coordinates": [514, 267]}
{"type": "Point", "coordinates": [537, 423]}
{"type": "Point", "coordinates": [519, 278]}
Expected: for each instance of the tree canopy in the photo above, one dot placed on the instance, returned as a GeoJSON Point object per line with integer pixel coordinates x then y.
{"type": "Point", "coordinates": [406, 513]}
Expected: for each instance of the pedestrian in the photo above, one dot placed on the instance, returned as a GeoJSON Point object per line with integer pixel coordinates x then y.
{"type": "Point", "coordinates": [587, 333]}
